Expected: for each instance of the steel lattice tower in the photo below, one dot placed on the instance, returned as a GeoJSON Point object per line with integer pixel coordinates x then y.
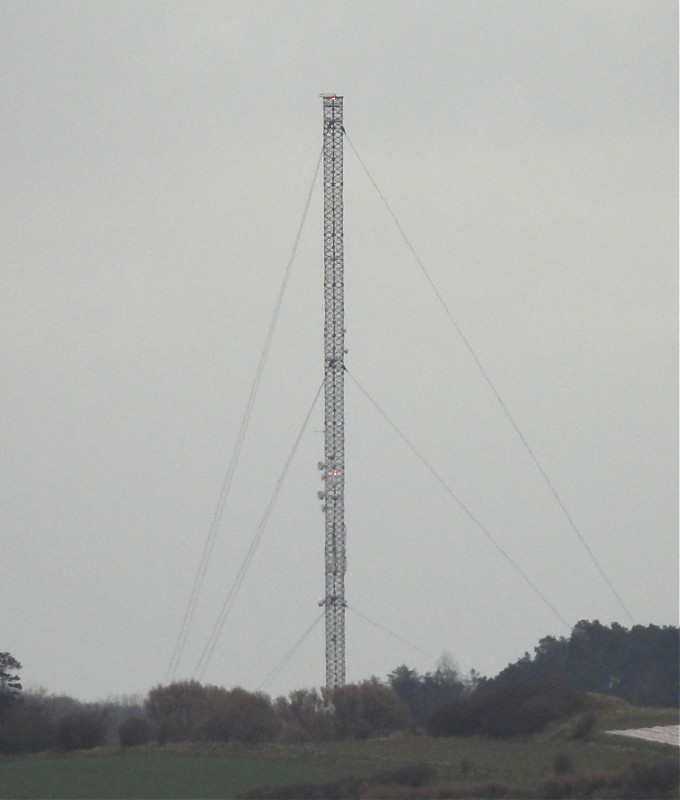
{"type": "Point", "coordinates": [334, 422]}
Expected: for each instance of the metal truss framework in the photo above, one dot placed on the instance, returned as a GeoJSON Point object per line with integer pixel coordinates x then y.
{"type": "Point", "coordinates": [334, 423]}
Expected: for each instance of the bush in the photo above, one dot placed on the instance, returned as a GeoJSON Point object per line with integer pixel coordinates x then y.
{"type": "Point", "coordinates": [26, 727]}
{"type": "Point", "coordinates": [118, 710]}
{"type": "Point", "coordinates": [134, 731]}
{"type": "Point", "coordinates": [409, 775]}
{"type": "Point", "coordinates": [584, 725]}
{"type": "Point", "coordinates": [368, 709]}
{"type": "Point", "coordinates": [292, 733]}
{"type": "Point", "coordinates": [187, 711]}
{"type": "Point", "coordinates": [493, 790]}
{"type": "Point", "coordinates": [652, 780]}
{"type": "Point", "coordinates": [562, 764]}
{"type": "Point", "coordinates": [341, 789]}
{"type": "Point", "coordinates": [176, 710]}
{"type": "Point", "coordinates": [80, 731]}
{"type": "Point", "coordinates": [466, 767]}
{"type": "Point", "coordinates": [638, 782]}
{"type": "Point", "coordinates": [304, 717]}
{"type": "Point", "coordinates": [375, 789]}
{"type": "Point", "coordinates": [38, 721]}
{"type": "Point", "coordinates": [397, 783]}
{"type": "Point", "coordinates": [509, 711]}
{"type": "Point", "coordinates": [238, 715]}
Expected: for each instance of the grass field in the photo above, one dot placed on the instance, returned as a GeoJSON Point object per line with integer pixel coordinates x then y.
{"type": "Point", "coordinates": [211, 771]}
{"type": "Point", "coordinates": [162, 773]}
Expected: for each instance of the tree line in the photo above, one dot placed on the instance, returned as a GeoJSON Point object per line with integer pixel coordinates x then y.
{"type": "Point", "coordinates": [639, 665]}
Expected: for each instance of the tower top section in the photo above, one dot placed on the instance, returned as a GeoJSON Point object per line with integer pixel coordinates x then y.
{"type": "Point", "coordinates": [331, 99]}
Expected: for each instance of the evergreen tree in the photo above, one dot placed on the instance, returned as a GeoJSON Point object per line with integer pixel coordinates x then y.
{"type": "Point", "coordinates": [10, 685]}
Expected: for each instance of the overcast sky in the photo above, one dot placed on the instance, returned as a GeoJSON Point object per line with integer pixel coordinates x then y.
{"type": "Point", "coordinates": [156, 157]}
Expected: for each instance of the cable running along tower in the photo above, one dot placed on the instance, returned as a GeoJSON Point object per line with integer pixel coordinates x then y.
{"type": "Point", "coordinates": [333, 468]}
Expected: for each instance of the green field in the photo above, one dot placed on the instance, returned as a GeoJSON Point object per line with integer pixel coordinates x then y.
{"type": "Point", "coordinates": [161, 773]}
{"type": "Point", "coordinates": [207, 771]}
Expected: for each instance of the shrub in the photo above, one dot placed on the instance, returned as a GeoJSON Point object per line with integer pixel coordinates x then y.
{"type": "Point", "coordinates": [26, 727]}
{"type": "Point", "coordinates": [292, 733]}
{"type": "Point", "coordinates": [238, 715]}
{"type": "Point", "coordinates": [466, 767]}
{"type": "Point", "coordinates": [584, 725]}
{"type": "Point", "coordinates": [562, 764]}
{"type": "Point", "coordinates": [638, 782]}
{"type": "Point", "coordinates": [652, 780]}
{"type": "Point", "coordinates": [134, 731]}
{"type": "Point", "coordinates": [341, 789]}
{"type": "Point", "coordinates": [508, 711]}
{"type": "Point", "coordinates": [187, 711]}
{"type": "Point", "coordinates": [493, 790]}
{"type": "Point", "coordinates": [397, 783]}
{"type": "Point", "coordinates": [176, 710]}
{"type": "Point", "coordinates": [409, 775]}
{"type": "Point", "coordinates": [379, 791]}
{"type": "Point", "coordinates": [368, 709]}
{"type": "Point", "coordinates": [305, 717]}
{"type": "Point", "coordinates": [117, 711]}
{"type": "Point", "coordinates": [80, 731]}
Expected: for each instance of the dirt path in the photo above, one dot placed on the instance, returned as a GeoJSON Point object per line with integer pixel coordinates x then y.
{"type": "Point", "coordinates": [666, 734]}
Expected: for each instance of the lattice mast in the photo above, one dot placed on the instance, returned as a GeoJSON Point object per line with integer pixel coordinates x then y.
{"type": "Point", "coordinates": [334, 423]}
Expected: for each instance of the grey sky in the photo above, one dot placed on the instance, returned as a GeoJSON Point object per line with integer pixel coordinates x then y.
{"type": "Point", "coordinates": [156, 158]}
